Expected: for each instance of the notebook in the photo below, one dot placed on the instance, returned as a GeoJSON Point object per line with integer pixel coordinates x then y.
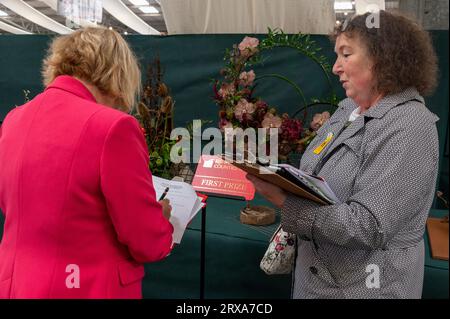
{"type": "Point", "coordinates": [290, 179]}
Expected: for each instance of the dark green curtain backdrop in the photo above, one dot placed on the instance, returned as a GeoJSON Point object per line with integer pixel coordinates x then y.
{"type": "Point", "coordinates": [190, 63]}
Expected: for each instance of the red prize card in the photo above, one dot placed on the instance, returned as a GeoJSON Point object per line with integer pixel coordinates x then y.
{"type": "Point", "coordinates": [216, 176]}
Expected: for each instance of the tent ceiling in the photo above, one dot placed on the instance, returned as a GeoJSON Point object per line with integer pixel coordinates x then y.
{"type": "Point", "coordinates": [224, 16]}
{"type": "Point", "coordinates": [155, 21]}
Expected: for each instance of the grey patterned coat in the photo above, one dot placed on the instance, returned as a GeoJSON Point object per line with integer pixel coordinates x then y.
{"type": "Point", "coordinates": [383, 167]}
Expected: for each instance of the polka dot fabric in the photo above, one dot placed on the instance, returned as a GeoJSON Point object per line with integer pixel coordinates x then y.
{"type": "Point", "coordinates": [383, 167]}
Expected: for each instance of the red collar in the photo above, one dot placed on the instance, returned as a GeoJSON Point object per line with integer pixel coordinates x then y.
{"type": "Point", "coordinates": [71, 85]}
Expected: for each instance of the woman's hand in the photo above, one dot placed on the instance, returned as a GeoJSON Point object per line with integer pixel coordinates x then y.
{"type": "Point", "coordinates": [167, 209]}
{"type": "Point", "coordinates": [272, 193]}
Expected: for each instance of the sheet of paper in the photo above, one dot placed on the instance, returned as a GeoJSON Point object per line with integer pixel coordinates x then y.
{"type": "Point", "coordinates": [198, 205]}
{"type": "Point", "coordinates": [184, 202]}
{"type": "Point", "coordinates": [320, 184]}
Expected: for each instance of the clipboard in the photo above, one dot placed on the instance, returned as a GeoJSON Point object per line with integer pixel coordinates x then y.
{"type": "Point", "coordinates": [269, 176]}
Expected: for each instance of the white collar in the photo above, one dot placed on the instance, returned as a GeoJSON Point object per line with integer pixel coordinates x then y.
{"type": "Point", "coordinates": [355, 114]}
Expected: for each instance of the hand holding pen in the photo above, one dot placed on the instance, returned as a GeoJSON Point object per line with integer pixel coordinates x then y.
{"type": "Point", "coordinates": [165, 203]}
{"type": "Point", "coordinates": [164, 194]}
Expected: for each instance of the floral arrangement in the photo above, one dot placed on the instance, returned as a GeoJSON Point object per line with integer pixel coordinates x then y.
{"type": "Point", "coordinates": [238, 107]}
{"type": "Point", "coordinates": [155, 114]}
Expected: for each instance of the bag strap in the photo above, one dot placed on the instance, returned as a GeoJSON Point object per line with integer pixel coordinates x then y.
{"type": "Point", "coordinates": [275, 233]}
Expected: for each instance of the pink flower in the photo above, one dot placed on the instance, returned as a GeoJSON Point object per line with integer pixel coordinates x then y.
{"type": "Point", "coordinates": [223, 124]}
{"type": "Point", "coordinates": [290, 129]}
{"type": "Point", "coordinates": [247, 78]}
{"type": "Point", "coordinates": [271, 120]}
{"type": "Point", "coordinates": [261, 110]}
{"type": "Point", "coordinates": [245, 92]}
{"type": "Point", "coordinates": [244, 109]}
{"type": "Point", "coordinates": [261, 105]}
{"type": "Point", "coordinates": [226, 90]}
{"type": "Point", "coordinates": [318, 120]}
{"type": "Point", "coordinates": [248, 46]}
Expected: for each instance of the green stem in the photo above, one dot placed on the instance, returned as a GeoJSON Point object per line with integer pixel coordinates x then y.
{"type": "Point", "coordinates": [295, 86]}
{"type": "Point", "coordinates": [165, 130]}
{"type": "Point", "coordinates": [312, 104]}
{"type": "Point", "coordinates": [306, 53]}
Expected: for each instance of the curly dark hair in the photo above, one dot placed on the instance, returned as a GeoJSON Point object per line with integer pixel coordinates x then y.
{"type": "Point", "coordinates": [401, 50]}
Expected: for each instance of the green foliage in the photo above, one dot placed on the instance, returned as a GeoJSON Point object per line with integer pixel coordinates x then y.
{"type": "Point", "coordinates": [300, 42]}
{"type": "Point", "coordinates": [160, 163]}
{"type": "Point", "coordinates": [306, 46]}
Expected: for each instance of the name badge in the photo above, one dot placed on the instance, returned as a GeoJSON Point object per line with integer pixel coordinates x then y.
{"type": "Point", "coordinates": [319, 148]}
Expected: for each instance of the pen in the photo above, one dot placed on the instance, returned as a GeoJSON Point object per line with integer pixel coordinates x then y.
{"type": "Point", "coordinates": [164, 194]}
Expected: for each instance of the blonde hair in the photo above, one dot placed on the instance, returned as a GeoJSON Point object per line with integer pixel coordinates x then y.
{"type": "Point", "coordinates": [98, 56]}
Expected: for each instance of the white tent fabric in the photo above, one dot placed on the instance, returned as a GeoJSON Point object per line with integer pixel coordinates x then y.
{"type": "Point", "coordinates": [11, 29]}
{"type": "Point", "coordinates": [248, 16]}
{"type": "Point", "coordinates": [30, 13]}
{"type": "Point", "coordinates": [122, 13]}
{"type": "Point", "coordinates": [363, 6]}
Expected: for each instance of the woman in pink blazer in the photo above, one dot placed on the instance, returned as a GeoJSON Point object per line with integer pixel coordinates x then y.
{"type": "Point", "coordinates": [81, 216]}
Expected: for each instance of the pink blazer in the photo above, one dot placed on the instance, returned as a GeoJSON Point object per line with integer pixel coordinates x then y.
{"type": "Point", "coordinates": [81, 215]}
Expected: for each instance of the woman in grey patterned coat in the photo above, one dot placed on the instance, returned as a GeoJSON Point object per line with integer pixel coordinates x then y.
{"type": "Point", "coordinates": [379, 154]}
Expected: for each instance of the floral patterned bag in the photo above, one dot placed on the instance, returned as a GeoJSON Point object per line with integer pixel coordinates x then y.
{"type": "Point", "coordinates": [280, 255]}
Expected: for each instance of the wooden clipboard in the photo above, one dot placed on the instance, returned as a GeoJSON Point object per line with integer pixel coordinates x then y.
{"type": "Point", "coordinates": [438, 236]}
{"type": "Point", "coordinates": [273, 178]}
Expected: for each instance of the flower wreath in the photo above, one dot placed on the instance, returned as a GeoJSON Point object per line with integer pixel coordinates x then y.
{"type": "Point", "coordinates": [239, 108]}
